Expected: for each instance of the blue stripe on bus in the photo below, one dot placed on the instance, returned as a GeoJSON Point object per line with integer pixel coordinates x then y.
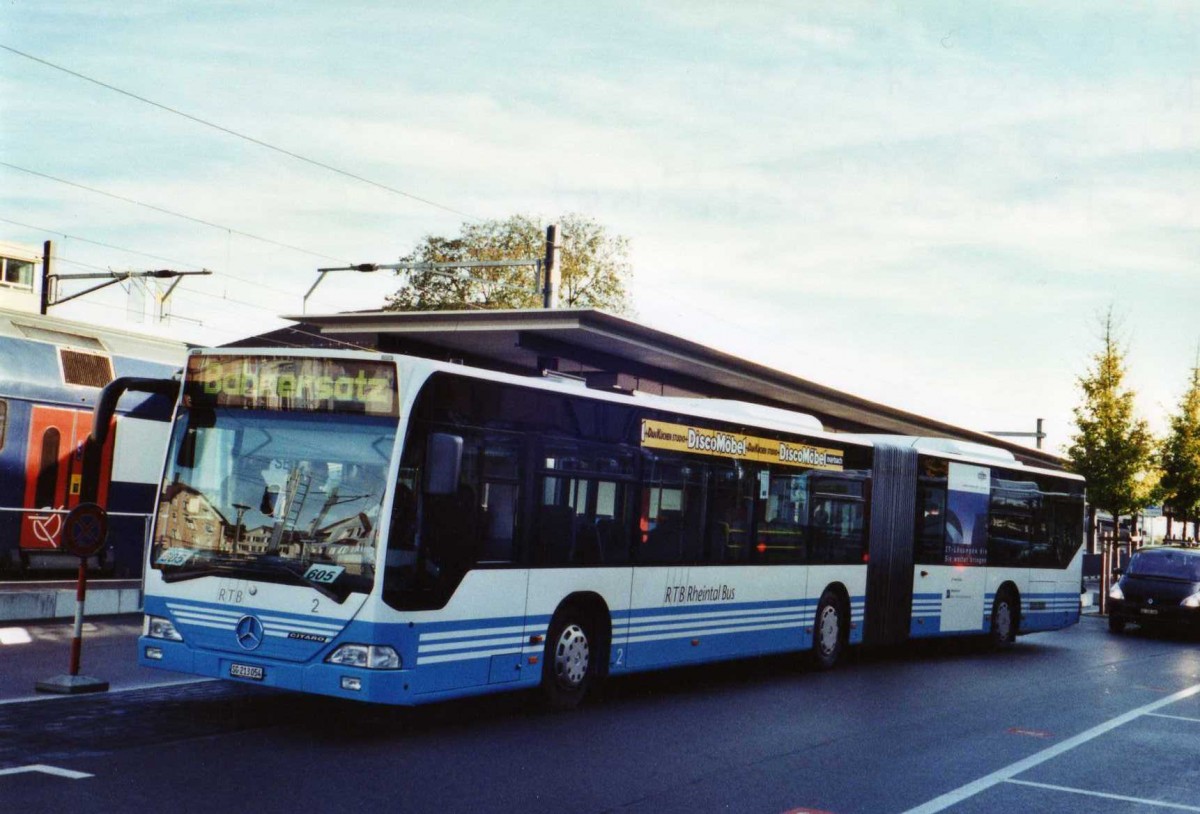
{"type": "Point", "coordinates": [482, 638]}
{"type": "Point", "coordinates": [1039, 611]}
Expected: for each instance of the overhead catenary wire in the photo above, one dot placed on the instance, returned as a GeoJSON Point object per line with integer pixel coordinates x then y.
{"type": "Point", "coordinates": [228, 131]}
{"type": "Point", "coordinates": [58, 232]}
{"type": "Point", "coordinates": [98, 243]}
{"type": "Point", "coordinates": [170, 212]}
{"type": "Point", "coordinates": [207, 324]}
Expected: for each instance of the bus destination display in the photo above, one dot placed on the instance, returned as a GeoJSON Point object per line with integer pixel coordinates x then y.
{"type": "Point", "coordinates": [292, 383]}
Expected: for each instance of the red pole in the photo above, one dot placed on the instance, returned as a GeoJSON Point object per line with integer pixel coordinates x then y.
{"type": "Point", "coordinates": [83, 536]}
{"type": "Point", "coordinates": [77, 637]}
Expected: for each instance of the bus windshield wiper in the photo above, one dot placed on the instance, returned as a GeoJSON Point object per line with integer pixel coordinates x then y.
{"type": "Point", "coordinates": [181, 573]}
{"type": "Point", "coordinates": [258, 567]}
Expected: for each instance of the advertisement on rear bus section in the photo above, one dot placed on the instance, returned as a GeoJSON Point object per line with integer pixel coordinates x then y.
{"type": "Point", "coordinates": [967, 514]}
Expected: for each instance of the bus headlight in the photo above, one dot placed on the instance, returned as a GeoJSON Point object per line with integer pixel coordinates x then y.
{"type": "Point", "coordinates": [156, 627]}
{"type": "Point", "coordinates": [367, 656]}
{"type": "Point", "coordinates": [1115, 592]}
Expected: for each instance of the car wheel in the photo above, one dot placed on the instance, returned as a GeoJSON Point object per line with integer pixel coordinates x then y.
{"type": "Point", "coordinates": [1116, 624]}
{"type": "Point", "coordinates": [568, 666]}
{"type": "Point", "coordinates": [1004, 620]}
{"type": "Point", "coordinates": [829, 631]}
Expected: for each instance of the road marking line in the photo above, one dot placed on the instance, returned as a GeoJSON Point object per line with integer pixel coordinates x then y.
{"type": "Point", "coordinates": [1175, 717]}
{"type": "Point", "coordinates": [950, 798]}
{"type": "Point", "coordinates": [54, 770]}
{"type": "Point", "coordinates": [1105, 795]}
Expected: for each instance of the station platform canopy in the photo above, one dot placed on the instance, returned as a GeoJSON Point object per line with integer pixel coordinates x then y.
{"type": "Point", "coordinates": [614, 353]}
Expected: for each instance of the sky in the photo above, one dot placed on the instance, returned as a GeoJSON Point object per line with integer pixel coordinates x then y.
{"type": "Point", "coordinates": [930, 205]}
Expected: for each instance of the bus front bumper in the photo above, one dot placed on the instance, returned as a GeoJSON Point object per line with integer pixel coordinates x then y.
{"type": "Point", "coordinates": [379, 686]}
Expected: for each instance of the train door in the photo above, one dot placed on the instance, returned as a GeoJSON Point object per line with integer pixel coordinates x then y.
{"type": "Point", "coordinates": [54, 467]}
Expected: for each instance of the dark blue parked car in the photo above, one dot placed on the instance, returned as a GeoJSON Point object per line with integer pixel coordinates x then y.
{"type": "Point", "coordinates": [1160, 586]}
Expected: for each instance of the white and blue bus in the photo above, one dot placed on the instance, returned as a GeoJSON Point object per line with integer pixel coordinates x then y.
{"type": "Point", "coordinates": [400, 530]}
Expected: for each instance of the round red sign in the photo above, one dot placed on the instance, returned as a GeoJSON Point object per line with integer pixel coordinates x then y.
{"type": "Point", "coordinates": [85, 530]}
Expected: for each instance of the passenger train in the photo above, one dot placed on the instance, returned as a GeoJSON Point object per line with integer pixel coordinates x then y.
{"type": "Point", "coordinates": [51, 373]}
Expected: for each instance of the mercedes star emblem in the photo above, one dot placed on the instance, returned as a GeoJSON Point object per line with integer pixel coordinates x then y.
{"type": "Point", "coordinates": [249, 632]}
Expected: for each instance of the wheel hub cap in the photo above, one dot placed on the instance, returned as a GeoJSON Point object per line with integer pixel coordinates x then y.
{"type": "Point", "coordinates": [571, 656]}
{"type": "Point", "coordinates": [828, 630]}
{"type": "Point", "coordinates": [1003, 619]}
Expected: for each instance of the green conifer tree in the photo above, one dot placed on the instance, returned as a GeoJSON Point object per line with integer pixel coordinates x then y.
{"type": "Point", "coordinates": [1179, 456]}
{"type": "Point", "coordinates": [1111, 447]}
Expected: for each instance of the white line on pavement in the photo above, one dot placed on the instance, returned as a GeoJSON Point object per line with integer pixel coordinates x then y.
{"type": "Point", "coordinates": [1105, 795]}
{"type": "Point", "coordinates": [54, 770]}
{"type": "Point", "coordinates": [1174, 717]}
{"type": "Point", "coordinates": [956, 796]}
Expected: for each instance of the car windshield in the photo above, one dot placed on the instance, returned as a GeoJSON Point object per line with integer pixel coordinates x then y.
{"type": "Point", "coordinates": [1166, 564]}
{"type": "Point", "coordinates": [273, 495]}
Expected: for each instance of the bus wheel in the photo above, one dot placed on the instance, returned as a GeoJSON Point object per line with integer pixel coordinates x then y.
{"type": "Point", "coordinates": [1004, 620]}
{"type": "Point", "coordinates": [567, 667]}
{"type": "Point", "coordinates": [829, 636]}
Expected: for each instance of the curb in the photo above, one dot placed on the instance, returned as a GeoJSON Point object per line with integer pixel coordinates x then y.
{"type": "Point", "coordinates": [39, 604]}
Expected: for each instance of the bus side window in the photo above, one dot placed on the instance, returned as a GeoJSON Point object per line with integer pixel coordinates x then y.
{"type": "Point", "coordinates": [930, 534]}
{"type": "Point", "coordinates": [500, 475]}
{"type": "Point", "coordinates": [783, 533]}
{"type": "Point", "coordinates": [672, 511]}
{"type": "Point", "coordinates": [729, 511]}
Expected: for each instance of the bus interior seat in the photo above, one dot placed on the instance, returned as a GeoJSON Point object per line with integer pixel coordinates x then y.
{"type": "Point", "coordinates": [555, 533]}
{"type": "Point", "coordinates": [587, 550]}
{"type": "Point", "coordinates": [613, 545]}
{"type": "Point", "coordinates": [664, 541]}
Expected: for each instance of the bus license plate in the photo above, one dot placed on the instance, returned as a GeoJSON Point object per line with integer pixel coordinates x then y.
{"type": "Point", "coordinates": [247, 671]}
{"type": "Point", "coordinates": [1150, 611]}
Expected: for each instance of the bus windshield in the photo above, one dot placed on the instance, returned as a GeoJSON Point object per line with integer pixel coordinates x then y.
{"type": "Point", "coordinates": [276, 496]}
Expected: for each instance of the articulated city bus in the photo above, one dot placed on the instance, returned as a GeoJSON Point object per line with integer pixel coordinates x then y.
{"type": "Point", "coordinates": [400, 530]}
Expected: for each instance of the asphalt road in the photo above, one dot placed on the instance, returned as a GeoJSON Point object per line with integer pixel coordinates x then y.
{"type": "Point", "coordinates": [1073, 721]}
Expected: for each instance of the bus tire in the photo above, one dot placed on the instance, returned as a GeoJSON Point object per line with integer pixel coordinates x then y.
{"type": "Point", "coordinates": [829, 631]}
{"type": "Point", "coordinates": [1005, 619]}
{"type": "Point", "coordinates": [569, 663]}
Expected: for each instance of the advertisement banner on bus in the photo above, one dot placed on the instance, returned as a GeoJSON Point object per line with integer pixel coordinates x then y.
{"type": "Point", "coordinates": [967, 513]}
{"type": "Point", "coordinates": [684, 438]}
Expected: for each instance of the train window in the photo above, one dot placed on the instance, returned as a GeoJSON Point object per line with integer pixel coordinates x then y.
{"type": "Point", "coordinates": [18, 273]}
{"type": "Point", "coordinates": [47, 479]}
{"type": "Point", "coordinates": [3, 420]}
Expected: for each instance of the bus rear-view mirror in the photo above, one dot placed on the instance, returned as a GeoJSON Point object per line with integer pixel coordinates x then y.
{"type": "Point", "coordinates": [443, 460]}
{"type": "Point", "coordinates": [270, 499]}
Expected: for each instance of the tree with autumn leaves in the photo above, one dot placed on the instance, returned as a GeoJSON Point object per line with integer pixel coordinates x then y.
{"type": "Point", "coordinates": [1112, 448]}
{"type": "Point", "coordinates": [1179, 455]}
{"type": "Point", "coordinates": [593, 263]}
{"type": "Point", "coordinates": [1125, 468]}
